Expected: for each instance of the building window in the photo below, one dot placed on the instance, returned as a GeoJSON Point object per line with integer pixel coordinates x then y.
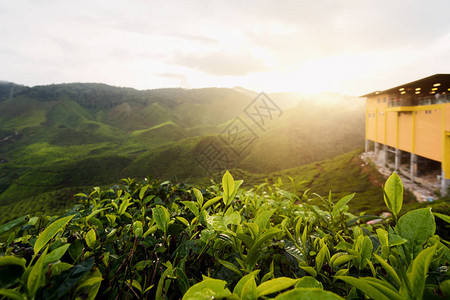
{"type": "Point", "coordinates": [378, 100]}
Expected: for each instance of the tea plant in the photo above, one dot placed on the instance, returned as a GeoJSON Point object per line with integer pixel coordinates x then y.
{"type": "Point", "coordinates": [159, 240]}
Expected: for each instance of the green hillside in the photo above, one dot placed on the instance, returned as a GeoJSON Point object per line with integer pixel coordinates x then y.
{"type": "Point", "coordinates": [343, 174]}
{"type": "Point", "coordinates": [59, 138]}
{"type": "Point", "coordinates": [306, 133]}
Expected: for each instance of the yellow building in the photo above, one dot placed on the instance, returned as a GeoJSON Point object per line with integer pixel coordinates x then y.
{"type": "Point", "coordinates": [412, 119]}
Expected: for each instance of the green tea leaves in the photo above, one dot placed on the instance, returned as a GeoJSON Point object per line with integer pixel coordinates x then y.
{"type": "Point", "coordinates": [50, 232]}
{"type": "Point", "coordinates": [393, 194]}
{"type": "Point", "coordinates": [12, 260]}
{"type": "Point", "coordinates": [91, 239]}
{"type": "Point", "coordinates": [208, 289]}
{"type": "Point", "coordinates": [129, 244]}
{"type": "Point", "coordinates": [162, 217]}
{"type": "Point", "coordinates": [36, 278]}
{"type": "Point", "coordinates": [198, 196]}
{"type": "Point", "coordinates": [340, 205]}
{"type": "Point", "coordinates": [416, 227]}
{"type": "Point", "coordinates": [419, 271]}
{"type": "Point", "coordinates": [228, 188]}
{"type": "Point", "coordinates": [13, 224]}
{"type": "Point", "coordinates": [275, 285]}
{"type": "Point", "coordinates": [308, 294]}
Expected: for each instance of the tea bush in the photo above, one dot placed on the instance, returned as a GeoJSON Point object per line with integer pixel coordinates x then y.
{"type": "Point", "coordinates": [160, 240]}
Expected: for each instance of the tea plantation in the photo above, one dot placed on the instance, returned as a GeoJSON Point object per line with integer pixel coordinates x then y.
{"type": "Point", "coordinates": [159, 240]}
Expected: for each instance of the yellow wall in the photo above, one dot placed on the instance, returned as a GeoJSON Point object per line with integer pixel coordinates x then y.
{"type": "Point", "coordinates": [447, 117]}
{"type": "Point", "coordinates": [380, 126]}
{"type": "Point", "coordinates": [405, 129]}
{"type": "Point", "coordinates": [370, 124]}
{"type": "Point", "coordinates": [375, 107]}
{"type": "Point", "coordinates": [391, 128]}
{"type": "Point", "coordinates": [446, 163]}
{"type": "Point", "coordinates": [428, 137]}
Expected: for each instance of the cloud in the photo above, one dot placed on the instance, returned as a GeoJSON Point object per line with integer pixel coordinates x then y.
{"type": "Point", "coordinates": [222, 63]}
{"type": "Point", "coordinates": [346, 46]}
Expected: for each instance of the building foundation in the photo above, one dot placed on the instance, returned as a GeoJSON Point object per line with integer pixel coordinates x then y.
{"type": "Point", "coordinates": [445, 185]}
{"type": "Point", "coordinates": [413, 167]}
{"type": "Point", "coordinates": [398, 156]}
{"type": "Point", "coordinates": [385, 154]}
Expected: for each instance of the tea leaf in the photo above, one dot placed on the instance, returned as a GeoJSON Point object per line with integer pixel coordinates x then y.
{"type": "Point", "coordinates": [384, 287]}
{"type": "Point", "coordinates": [275, 285]}
{"type": "Point", "coordinates": [321, 256]}
{"type": "Point", "coordinates": [91, 238]}
{"type": "Point", "coordinates": [255, 251]}
{"type": "Point", "coordinates": [137, 229]}
{"type": "Point", "coordinates": [207, 289]}
{"type": "Point", "coordinates": [240, 285]}
{"type": "Point", "coordinates": [419, 270]}
{"type": "Point", "coordinates": [192, 207]}
{"type": "Point", "coordinates": [390, 270]}
{"type": "Point", "coordinates": [75, 249]}
{"type": "Point", "coordinates": [211, 202]}
{"type": "Point", "coordinates": [308, 282]}
{"type": "Point", "coordinates": [393, 194]}
{"type": "Point", "coordinates": [230, 266]}
{"type": "Point", "coordinates": [161, 217]}
{"type": "Point", "coordinates": [13, 224]}
{"type": "Point", "coordinates": [12, 294]}
{"type": "Point", "coordinates": [143, 191]}
{"type": "Point", "coordinates": [249, 291]}
{"type": "Point", "coordinates": [341, 204]}
{"type": "Point", "coordinates": [263, 218]}
{"type": "Point", "coordinates": [416, 227]}
{"type": "Point", "coordinates": [198, 196]}
{"type": "Point", "coordinates": [50, 232]}
{"type": "Point", "coordinates": [308, 294]}
{"type": "Point", "coordinates": [35, 279]}
{"type": "Point", "coordinates": [56, 254]}
{"type": "Point", "coordinates": [364, 286]}
{"type": "Point", "coordinates": [446, 218]}
{"type": "Point", "coordinates": [61, 284]}
{"type": "Point", "coordinates": [228, 187]}
{"type": "Point", "coordinates": [12, 260]}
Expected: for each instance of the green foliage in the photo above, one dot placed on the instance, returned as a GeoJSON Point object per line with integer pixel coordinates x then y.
{"type": "Point", "coordinates": [416, 227]}
{"type": "Point", "coordinates": [68, 137]}
{"type": "Point", "coordinates": [393, 194]}
{"type": "Point", "coordinates": [49, 232]}
{"type": "Point", "coordinates": [159, 240]}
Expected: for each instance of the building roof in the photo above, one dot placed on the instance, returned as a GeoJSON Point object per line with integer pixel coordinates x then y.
{"type": "Point", "coordinates": [438, 83]}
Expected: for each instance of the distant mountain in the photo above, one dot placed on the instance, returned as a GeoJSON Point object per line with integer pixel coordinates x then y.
{"type": "Point", "coordinates": [316, 129]}
{"type": "Point", "coordinates": [62, 137]}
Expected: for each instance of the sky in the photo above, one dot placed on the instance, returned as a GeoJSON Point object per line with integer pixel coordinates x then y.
{"type": "Point", "coordinates": [349, 47]}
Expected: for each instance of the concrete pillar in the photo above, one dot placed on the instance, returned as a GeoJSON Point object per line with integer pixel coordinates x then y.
{"type": "Point", "coordinates": [413, 167]}
{"type": "Point", "coordinates": [398, 156]}
{"type": "Point", "coordinates": [366, 149]}
{"type": "Point", "coordinates": [445, 184]}
{"type": "Point", "coordinates": [376, 148]}
{"type": "Point", "coordinates": [385, 154]}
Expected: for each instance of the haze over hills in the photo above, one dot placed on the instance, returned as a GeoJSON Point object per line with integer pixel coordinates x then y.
{"type": "Point", "coordinates": [58, 139]}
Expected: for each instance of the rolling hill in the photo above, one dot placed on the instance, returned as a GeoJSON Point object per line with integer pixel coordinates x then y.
{"type": "Point", "coordinates": [58, 139]}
